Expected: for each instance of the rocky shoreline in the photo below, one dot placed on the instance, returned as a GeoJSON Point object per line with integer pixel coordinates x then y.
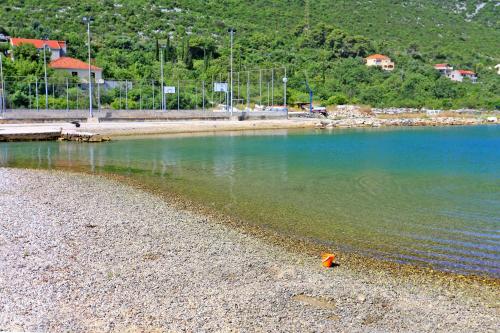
{"type": "Point", "coordinates": [355, 116]}
{"type": "Point", "coordinates": [408, 122]}
{"type": "Point", "coordinates": [85, 253]}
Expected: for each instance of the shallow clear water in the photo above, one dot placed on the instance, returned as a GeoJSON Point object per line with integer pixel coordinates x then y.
{"type": "Point", "coordinates": [429, 196]}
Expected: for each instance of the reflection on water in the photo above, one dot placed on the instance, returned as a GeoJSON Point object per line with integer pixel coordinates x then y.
{"type": "Point", "coordinates": [427, 196]}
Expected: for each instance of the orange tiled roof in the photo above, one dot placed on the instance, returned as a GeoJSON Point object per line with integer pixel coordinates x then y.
{"type": "Point", "coordinates": [71, 63]}
{"type": "Point", "coordinates": [38, 43]}
{"type": "Point", "coordinates": [378, 57]}
{"type": "Point", "coordinates": [466, 72]}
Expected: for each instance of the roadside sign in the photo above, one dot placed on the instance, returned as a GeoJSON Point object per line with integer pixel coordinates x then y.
{"type": "Point", "coordinates": [169, 90]}
{"type": "Point", "coordinates": [220, 87]}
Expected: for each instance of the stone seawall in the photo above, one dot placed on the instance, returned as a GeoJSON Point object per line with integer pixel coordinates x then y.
{"type": "Point", "coordinates": [380, 122]}
{"type": "Point", "coordinates": [42, 116]}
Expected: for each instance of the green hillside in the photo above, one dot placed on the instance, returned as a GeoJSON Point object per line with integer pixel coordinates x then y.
{"type": "Point", "coordinates": [324, 40]}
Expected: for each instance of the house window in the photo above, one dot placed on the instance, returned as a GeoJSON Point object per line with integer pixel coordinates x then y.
{"type": "Point", "coordinates": [74, 73]}
{"type": "Point", "coordinates": [92, 75]}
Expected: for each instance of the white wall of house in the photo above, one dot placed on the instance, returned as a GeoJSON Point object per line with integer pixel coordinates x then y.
{"type": "Point", "coordinates": [82, 74]}
{"type": "Point", "coordinates": [385, 64]}
{"type": "Point", "coordinates": [55, 53]}
{"type": "Point", "coordinates": [457, 76]}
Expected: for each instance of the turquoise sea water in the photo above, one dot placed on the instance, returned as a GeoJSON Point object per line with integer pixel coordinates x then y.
{"type": "Point", "coordinates": [428, 196]}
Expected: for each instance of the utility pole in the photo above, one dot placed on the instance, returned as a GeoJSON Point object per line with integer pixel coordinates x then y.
{"type": "Point", "coordinates": [248, 90]}
{"type": "Point", "coordinates": [153, 90]}
{"type": "Point", "coordinates": [67, 95]}
{"type": "Point", "coordinates": [162, 90]}
{"type": "Point", "coordinates": [98, 96]}
{"type": "Point", "coordinates": [307, 15]}
{"type": "Point", "coordinates": [285, 80]}
{"type": "Point", "coordinates": [36, 92]}
{"type": "Point", "coordinates": [231, 33]}
{"type": "Point", "coordinates": [272, 86]}
{"type": "Point", "coordinates": [45, 76]}
{"type": "Point", "coordinates": [203, 94]}
{"type": "Point", "coordinates": [87, 21]}
{"type": "Point", "coordinates": [126, 94]}
{"type": "Point", "coordinates": [260, 86]}
{"type": "Point", "coordinates": [3, 84]}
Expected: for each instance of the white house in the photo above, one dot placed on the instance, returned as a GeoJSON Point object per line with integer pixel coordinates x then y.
{"type": "Point", "coordinates": [57, 47]}
{"type": "Point", "coordinates": [380, 60]}
{"type": "Point", "coordinates": [460, 74]}
{"type": "Point", "coordinates": [76, 68]}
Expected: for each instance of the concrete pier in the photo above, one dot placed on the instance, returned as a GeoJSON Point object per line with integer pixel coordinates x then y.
{"type": "Point", "coordinates": [29, 133]}
{"type": "Point", "coordinates": [39, 132]}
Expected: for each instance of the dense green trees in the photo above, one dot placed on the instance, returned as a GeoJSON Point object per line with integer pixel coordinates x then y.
{"type": "Point", "coordinates": [327, 48]}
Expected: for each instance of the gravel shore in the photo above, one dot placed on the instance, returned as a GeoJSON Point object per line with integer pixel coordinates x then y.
{"type": "Point", "coordinates": [84, 253]}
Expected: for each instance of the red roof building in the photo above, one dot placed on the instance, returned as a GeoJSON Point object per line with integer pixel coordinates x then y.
{"type": "Point", "coordinates": [58, 59]}
{"type": "Point", "coordinates": [72, 63]}
{"type": "Point", "coordinates": [441, 66]}
{"type": "Point", "coordinates": [466, 72]}
{"type": "Point", "coordinates": [39, 43]}
{"type": "Point", "coordinates": [460, 74]}
{"type": "Point", "coordinates": [444, 69]}
{"type": "Point", "coordinates": [378, 57]}
{"type": "Point", "coordinates": [57, 47]}
{"type": "Point", "coordinates": [76, 68]}
{"type": "Point", "coordinates": [380, 60]}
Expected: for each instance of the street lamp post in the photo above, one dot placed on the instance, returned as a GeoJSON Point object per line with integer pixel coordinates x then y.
{"type": "Point", "coordinates": [162, 90]}
{"type": "Point", "coordinates": [285, 80]}
{"type": "Point", "coordinates": [2, 106]}
{"type": "Point", "coordinates": [45, 78]}
{"type": "Point", "coordinates": [87, 21]}
{"type": "Point", "coordinates": [231, 33]}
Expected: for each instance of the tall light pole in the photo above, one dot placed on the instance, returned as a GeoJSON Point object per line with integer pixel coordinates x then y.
{"type": "Point", "coordinates": [45, 77]}
{"type": "Point", "coordinates": [285, 80]}
{"type": "Point", "coordinates": [231, 33]}
{"type": "Point", "coordinates": [162, 90]}
{"type": "Point", "coordinates": [3, 84]}
{"type": "Point", "coordinates": [87, 21]}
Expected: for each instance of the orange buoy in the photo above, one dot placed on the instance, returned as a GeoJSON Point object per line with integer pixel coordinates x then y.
{"type": "Point", "coordinates": [327, 259]}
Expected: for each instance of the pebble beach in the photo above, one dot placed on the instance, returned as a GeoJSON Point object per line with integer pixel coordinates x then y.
{"type": "Point", "coordinates": [84, 253]}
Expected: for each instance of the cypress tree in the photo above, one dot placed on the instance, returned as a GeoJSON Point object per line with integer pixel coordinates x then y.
{"type": "Point", "coordinates": [157, 50]}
